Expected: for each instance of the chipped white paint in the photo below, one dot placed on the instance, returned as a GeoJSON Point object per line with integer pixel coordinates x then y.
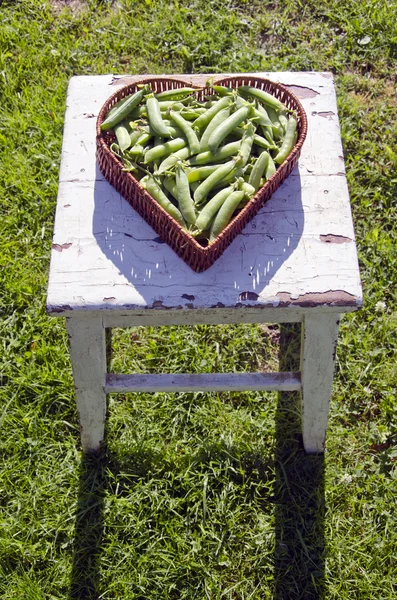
{"type": "Point", "coordinates": [319, 340]}
{"type": "Point", "coordinates": [88, 355]}
{"type": "Point", "coordinates": [296, 258]}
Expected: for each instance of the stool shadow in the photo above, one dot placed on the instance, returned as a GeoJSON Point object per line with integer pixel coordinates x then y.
{"type": "Point", "coordinates": [297, 497]}
{"type": "Point", "coordinates": [299, 494]}
{"type": "Point", "coordinates": [88, 529]}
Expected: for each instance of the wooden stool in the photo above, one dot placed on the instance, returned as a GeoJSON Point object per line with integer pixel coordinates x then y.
{"type": "Point", "coordinates": [295, 262]}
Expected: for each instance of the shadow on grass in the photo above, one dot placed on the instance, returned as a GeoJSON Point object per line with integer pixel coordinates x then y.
{"type": "Point", "coordinates": [88, 529]}
{"type": "Point", "coordinates": [299, 494]}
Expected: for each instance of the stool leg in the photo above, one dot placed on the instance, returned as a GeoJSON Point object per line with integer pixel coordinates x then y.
{"type": "Point", "coordinates": [87, 340]}
{"type": "Point", "coordinates": [319, 340]}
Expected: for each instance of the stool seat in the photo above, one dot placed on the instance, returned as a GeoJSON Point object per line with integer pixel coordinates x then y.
{"type": "Point", "coordinates": [296, 261]}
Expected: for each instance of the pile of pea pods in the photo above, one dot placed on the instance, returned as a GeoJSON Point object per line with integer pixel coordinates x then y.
{"type": "Point", "coordinates": [202, 161]}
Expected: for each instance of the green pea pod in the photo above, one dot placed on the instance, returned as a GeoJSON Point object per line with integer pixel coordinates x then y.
{"type": "Point", "coordinates": [211, 208]}
{"type": "Point", "coordinates": [188, 132]}
{"type": "Point", "coordinates": [123, 137]}
{"type": "Point", "coordinates": [267, 99]}
{"type": "Point", "coordinates": [219, 118]}
{"type": "Point", "coordinates": [222, 90]}
{"type": "Point", "coordinates": [248, 189]}
{"type": "Point", "coordinates": [123, 110]}
{"type": "Point", "coordinates": [208, 184]}
{"type": "Point", "coordinates": [157, 193]}
{"type": "Point", "coordinates": [257, 172]}
{"type": "Point", "coordinates": [270, 169]}
{"type": "Point", "coordinates": [165, 149]}
{"type": "Point", "coordinates": [155, 119]}
{"type": "Point", "coordinates": [173, 158]}
{"type": "Point", "coordinates": [207, 157]}
{"type": "Point", "coordinates": [175, 94]}
{"type": "Point", "coordinates": [170, 185]}
{"type": "Point", "coordinates": [185, 202]}
{"type": "Point", "coordinates": [205, 118]}
{"type": "Point", "coordinates": [225, 213]}
{"type": "Point", "coordinates": [223, 130]}
{"type": "Point", "coordinates": [288, 142]}
{"type": "Point", "coordinates": [201, 172]}
{"type": "Point", "coordinates": [246, 144]}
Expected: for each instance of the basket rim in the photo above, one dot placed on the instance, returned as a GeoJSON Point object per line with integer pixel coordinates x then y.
{"type": "Point", "coordinates": [219, 79]}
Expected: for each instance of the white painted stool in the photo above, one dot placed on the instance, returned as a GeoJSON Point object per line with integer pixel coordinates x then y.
{"type": "Point", "coordinates": [295, 262]}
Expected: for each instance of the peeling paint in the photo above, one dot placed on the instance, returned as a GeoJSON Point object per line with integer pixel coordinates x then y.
{"type": "Point", "coordinates": [157, 304]}
{"type": "Point", "coordinates": [325, 114]}
{"type": "Point", "coordinates": [189, 305]}
{"type": "Point", "coordinates": [331, 238]}
{"type": "Point", "coordinates": [60, 247]}
{"type": "Point", "coordinates": [302, 92]}
{"type": "Point", "coordinates": [109, 298]}
{"type": "Point", "coordinates": [328, 298]}
{"type": "Point", "coordinates": [188, 297]}
{"type": "Point", "coordinates": [66, 205]}
{"type": "Point", "coordinates": [248, 296]}
{"type": "Point", "coordinates": [59, 309]}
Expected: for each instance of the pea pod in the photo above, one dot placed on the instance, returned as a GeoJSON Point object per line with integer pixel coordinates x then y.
{"type": "Point", "coordinates": [223, 130]}
{"type": "Point", "coordinates": [165, 149]}
{"type": "Point", "coordinates": [260, 166]}
{"type": "Point", "coordinates": [288, 142]}
{"type": "Point", "coordinates": [206, 186]}
{"type": "Point", "coordinates": [188, 132]}
{"type": "Point", "coordinates": [207, 157]}
{"type": "Point", "coordinates": [175, 94]}
{"type": "Point", "coordinates": [270, 169]}
{"type": "Point", "coordinates": [123, 137]}
{"type": "Point", "coordinates": [173, 158]}
{"type": "Point", "coordinates": [267, 99]}
{"type": "Point", "coordinates": [123, 110]}
{"type": "Point", "coordinates": [200, 173]}
{"type": "Point", "coordinates": [205, 118]}
{"type": "Point", "coordinates": [155, 119]}
{"type": "Point", "coordinates": [225, 213]}
{"type": "Point", "coordinates": [246, 144]}
{"type": "Point", "coordinates": [185, 202]}
{"type": "Point", "coordinates": [156, 192]}
{"type": "Point", "coordinates": [222, 90]}
{"type": "Point", "coordinates": [217, 120]}
{"type": "Point", "coordinates": [211, 208]}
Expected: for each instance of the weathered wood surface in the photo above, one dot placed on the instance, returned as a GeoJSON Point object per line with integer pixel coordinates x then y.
{"type": "Point", "coordinates": [319, 341]}
{"type": "Point", "coordinates": [88, 356]}
{"type": "Point", "coordinates": [216, 382]}
{"type": "Point", "coordinates": [298, 252]}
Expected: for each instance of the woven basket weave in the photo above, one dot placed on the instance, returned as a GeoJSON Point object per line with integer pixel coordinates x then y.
{"type": "Point", "coordinates": [196, 255]}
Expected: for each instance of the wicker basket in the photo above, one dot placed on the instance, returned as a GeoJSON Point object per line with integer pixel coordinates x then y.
{"type": "Point", "coordinates": [196, 255]}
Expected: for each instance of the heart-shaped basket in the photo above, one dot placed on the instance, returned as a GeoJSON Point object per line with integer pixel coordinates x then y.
{"type": "Point", "coordinates": [198, 256]}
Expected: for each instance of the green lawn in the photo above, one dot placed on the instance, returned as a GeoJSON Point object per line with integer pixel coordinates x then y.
{"type": "Point", "coordinates": [196, 496]}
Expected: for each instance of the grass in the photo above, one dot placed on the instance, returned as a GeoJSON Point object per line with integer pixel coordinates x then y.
{"type": "Point", "coordinates": [196, 495]}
